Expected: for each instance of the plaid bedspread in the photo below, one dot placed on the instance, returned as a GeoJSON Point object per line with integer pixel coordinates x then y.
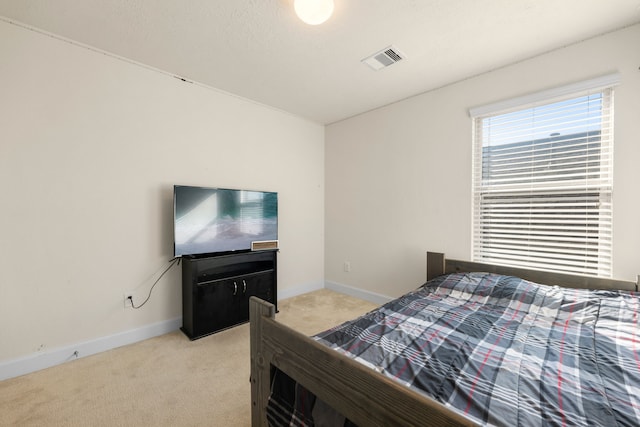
{"type": "Point", "coordinates": [504, 351]}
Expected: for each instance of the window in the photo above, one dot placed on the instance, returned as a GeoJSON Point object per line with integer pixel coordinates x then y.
{"type": "Point", "coordinates": [542, 180]}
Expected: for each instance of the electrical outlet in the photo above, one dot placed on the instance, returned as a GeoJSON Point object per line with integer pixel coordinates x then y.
{"type": "Point", "coordinates": [128, 300]}
{"type": "Point", "coordinates": [347, 266]}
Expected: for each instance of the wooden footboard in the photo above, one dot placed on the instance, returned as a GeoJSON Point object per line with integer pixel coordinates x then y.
{"type": "Point", "coordinates": [363, 395]}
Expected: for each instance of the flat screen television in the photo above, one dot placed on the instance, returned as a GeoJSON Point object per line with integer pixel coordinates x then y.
{"type": "Point", "coordinates": [214, 220]}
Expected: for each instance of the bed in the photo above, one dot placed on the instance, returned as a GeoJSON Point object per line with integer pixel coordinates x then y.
{"type": "Point", "coordinates": [572, 374]}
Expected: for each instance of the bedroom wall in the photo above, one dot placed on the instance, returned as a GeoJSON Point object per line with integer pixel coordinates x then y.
{"type": "Point", "coordinates": [90, 149]}
{"type": "Point", "coordinates": [398, 179]}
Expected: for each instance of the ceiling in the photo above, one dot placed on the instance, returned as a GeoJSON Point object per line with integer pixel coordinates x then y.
{"type": "Point", "coordinates": [258, 49]}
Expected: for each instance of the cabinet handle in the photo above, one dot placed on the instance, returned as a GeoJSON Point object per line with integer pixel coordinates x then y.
{"type": "Point", "coordinates": [235, 288]}
{"type": "Point", "coordinates": [244, 287]}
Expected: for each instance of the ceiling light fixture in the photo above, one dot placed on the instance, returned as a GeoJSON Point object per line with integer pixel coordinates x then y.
{"type": "Point", "coordinates": [313, 12]}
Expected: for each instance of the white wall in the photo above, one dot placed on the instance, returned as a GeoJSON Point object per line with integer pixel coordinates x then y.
{"type": "Point", "coordinates": [90, 148]}
{"type": "Point", "coordinates": [398, 179]}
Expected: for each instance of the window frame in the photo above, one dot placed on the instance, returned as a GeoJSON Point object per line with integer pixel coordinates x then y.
{"type": "Point", "coordinates": [535, 256]}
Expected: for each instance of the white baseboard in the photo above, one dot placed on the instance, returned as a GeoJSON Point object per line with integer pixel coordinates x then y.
{"type": "Point", "coordinates": [299, 290]}
{"type": "Point", "coordinates": [36, 362]}
{"type": "Point", "coordinates": [358, 293]}
{"type": "Point", "coordinates": [32, 363]}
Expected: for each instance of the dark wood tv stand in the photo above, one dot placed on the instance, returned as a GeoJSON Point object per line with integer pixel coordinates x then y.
{"type": "Point", "coordinates": [216, 289]}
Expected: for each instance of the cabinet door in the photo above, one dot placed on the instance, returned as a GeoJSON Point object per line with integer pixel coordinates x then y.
{"type": "Point", "coordinates": [216, 306]}
{"type": "Point", "coordinates": [259, 285]}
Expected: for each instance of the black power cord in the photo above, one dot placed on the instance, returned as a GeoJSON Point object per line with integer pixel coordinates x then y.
{"type": "Point", "coordinates": [173, 262]}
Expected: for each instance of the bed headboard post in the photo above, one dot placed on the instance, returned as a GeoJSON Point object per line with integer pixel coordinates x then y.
{"type": "Point", "coordinates": [435, 264]}
{"type": "Point", "coordinates": [438, 265]}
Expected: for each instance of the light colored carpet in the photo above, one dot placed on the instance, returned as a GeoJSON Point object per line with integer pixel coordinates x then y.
{"type": "Point", "coordinates": [163, 381]}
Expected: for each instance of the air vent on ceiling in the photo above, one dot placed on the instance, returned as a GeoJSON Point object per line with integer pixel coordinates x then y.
{"type": "Point", "coordinates": [387, 56]}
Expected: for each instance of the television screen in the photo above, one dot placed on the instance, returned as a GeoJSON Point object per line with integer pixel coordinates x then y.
{"type": "Point", "coordinates": [210, 220]}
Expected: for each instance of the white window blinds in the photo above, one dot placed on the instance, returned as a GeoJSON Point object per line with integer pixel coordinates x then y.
{"type": "Point", "coordinates": [542, 181]}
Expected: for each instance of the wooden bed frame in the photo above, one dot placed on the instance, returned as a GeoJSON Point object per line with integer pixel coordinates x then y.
{"type": "Point", "coordinates": [364, 396]}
